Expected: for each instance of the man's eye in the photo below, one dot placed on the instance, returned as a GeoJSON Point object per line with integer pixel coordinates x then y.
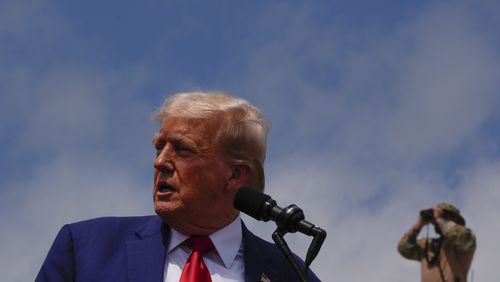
{"type": "Point", "coordinates": [184, 149]}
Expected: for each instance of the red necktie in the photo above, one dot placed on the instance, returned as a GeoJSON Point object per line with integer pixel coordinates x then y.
{"type": "Point", "coordinates": [195, 269]}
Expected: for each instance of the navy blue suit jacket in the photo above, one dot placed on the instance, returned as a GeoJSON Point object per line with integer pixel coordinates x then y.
{"type": "Point", "coordinates": [134, 249]}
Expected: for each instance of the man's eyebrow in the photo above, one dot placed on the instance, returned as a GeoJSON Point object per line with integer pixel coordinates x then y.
{"type": "Point", "coordinates": [179, 139]}
{"type": "Point", "coordinates": [171, 138]}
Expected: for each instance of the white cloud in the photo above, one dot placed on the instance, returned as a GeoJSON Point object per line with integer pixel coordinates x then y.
{"type": "Point", "coordinates": [407, 102]}
{"type": "Point", "coordinates": [481, 196]}
{"type": "Point", "coordinates": [78, 143]}
{"type": "Point", "coordinates": [58, 192]}
{"type": "Point", "coordinates": [360, 151]}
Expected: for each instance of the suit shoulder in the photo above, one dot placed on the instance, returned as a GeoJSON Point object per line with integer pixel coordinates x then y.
{"type": "Point", "coordinates": [259, 243]}
{"type": "Point", "coordinates": [113, 220]}
{"type": "Point", "coordinates": [116, 226]}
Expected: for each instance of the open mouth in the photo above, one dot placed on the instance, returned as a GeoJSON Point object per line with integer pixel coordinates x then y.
{"type": "Point", "coordinates": [165, 187]}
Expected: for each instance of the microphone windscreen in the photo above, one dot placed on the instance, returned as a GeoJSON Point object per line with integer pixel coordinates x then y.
{"type": "Point", "coordinates": [250, 201]}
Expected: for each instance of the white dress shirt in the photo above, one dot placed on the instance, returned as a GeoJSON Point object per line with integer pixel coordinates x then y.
{"type": "Point", "coordinates": [225, 263]}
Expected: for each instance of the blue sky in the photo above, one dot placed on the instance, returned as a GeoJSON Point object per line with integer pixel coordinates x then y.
{"type": "Point", "coordinates": [377, 110]}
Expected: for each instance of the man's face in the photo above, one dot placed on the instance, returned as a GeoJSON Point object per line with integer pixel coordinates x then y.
{"type": "Point", "coordinates": [191, 190]}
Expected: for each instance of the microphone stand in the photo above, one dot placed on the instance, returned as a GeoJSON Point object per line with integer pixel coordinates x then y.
{"type": "Point", "coordinates": [288, 221]}
{"type": "Point", "coordinates": [285, 250]}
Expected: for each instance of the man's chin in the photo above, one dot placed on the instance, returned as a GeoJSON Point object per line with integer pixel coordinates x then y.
{"type": "Point", "coordinates": [163, 209]}
{"type": "Point", "coordinates": [167, 211]}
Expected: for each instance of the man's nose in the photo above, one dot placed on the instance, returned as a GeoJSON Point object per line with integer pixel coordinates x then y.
{"type": "Point", "coordinates": [163, 161]}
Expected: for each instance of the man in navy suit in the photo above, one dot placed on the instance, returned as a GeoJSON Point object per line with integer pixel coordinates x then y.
{"type": "Point", "coordinates": [208, 145]}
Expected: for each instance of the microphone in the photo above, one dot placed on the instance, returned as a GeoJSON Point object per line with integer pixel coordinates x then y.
{"type": "Point", "coordinates": [290, 219]}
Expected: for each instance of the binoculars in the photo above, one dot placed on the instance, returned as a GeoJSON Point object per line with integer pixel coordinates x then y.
{"type": "Point", "coordinates": [427, 215]}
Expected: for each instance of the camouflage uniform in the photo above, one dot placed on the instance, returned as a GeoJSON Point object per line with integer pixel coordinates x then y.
{"type": "Point", "coordinates": [458, 244]}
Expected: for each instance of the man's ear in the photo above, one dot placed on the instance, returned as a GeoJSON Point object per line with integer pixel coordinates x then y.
{"type": "Point", "coordinates": [239, 177]}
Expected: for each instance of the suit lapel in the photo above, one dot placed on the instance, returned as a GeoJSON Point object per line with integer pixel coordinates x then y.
{"type": "Point", "coordinates": [146, 253]}
{"type": "Point", "coordinates": [258, 264]}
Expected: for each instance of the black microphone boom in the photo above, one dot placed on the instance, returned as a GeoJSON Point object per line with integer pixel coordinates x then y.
{"type": "Point", "coordinates": [290, 219]}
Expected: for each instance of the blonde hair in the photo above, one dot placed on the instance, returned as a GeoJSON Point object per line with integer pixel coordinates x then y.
{"type": "Point", "coordinates": [242, 131]}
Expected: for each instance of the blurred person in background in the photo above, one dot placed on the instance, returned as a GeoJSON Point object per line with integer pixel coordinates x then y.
{"type": "Point", "coordinates": [446, 258]}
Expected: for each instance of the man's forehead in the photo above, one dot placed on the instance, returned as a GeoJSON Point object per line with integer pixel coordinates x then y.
{"type": "Point", "coordinates": [172, 133]}
{"type": "Point", "coordinates": [175, 126]}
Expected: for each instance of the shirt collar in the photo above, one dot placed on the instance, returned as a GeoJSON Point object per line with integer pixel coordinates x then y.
{"type": "Point", "coordinates": [176, 238]}
{"type": "Point", "coordinates": [227, 241]}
